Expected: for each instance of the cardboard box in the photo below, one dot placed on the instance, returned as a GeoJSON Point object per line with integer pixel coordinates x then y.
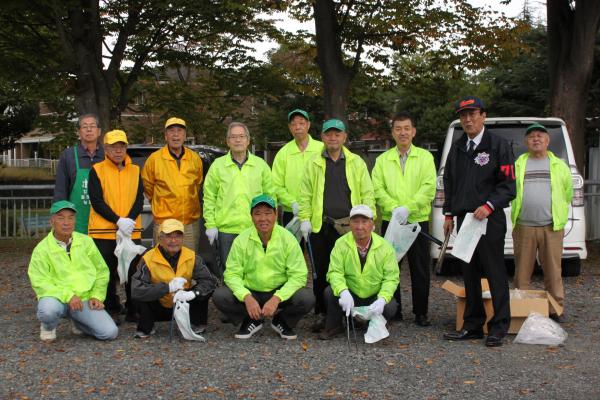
{"type": "Point", "coordinates": [532, 300]}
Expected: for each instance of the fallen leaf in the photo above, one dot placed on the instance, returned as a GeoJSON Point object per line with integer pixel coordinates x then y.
{"type": "Point", "coordinates": [304, 346]}
{"type": "Point", "coordinates": [469, 382]}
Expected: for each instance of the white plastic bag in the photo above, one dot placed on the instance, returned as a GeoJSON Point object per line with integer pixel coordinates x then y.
{"type": "Point", "coordinates": [468, 236]}
{"type": "Point", "coordinates": [126, 251]}
{"type": "Point", "coordinates": [401, 237]}
{"type": "Point", "coordinates": [376, 330]}
{"type": "Point", "coordinates": [182, 317]}
{"type": "Point", "coordinates": [294, 227]}
{"type": "Point", "coordinates": [538, 329]}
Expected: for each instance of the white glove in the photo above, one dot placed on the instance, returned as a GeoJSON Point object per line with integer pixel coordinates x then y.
{"type": "Point", "coordinates": [184, 295]}
{"type": "Point", "coordinates": [295, 208]}
{"type": "Point", "coordinates": [377, 306]}
{"type": "Point", "coordinates": [346, 301]}
{"type": "Point", "coordinates": [400, 214]}
{"type": "Point", "coordinates": [212, 234]}
{"type": "Point", "coordinates": [306, 229]}
{"type": "Point", "coordinates": [126, 225]}
{"type": "Point", "coordinates": [176, 284]}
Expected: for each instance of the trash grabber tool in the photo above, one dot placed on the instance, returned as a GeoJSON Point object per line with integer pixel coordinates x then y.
{"type": "Point", "coordinates": [440, 260]}
{"type": "Point", "coordinates": [312, 259]}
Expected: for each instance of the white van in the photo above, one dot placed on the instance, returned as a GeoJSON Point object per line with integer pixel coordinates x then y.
{"type": "Point", "coordinates": [513, 130]}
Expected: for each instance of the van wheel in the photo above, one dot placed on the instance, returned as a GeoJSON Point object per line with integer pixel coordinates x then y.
{"type": "Point", "coordinates": [450, 267]}
{"type": "Point", "coordinates": [571, 267]}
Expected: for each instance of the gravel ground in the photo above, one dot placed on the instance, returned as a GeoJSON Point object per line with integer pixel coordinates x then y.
{"type": "Point", "coordinates": [413, 363]}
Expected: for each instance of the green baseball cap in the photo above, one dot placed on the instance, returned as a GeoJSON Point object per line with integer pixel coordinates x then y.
{"type": "Point", "coordinates": [62, 205]}
{"type": "Point", "coordinates": [298, 111]}
{"type": "Point", "coordinates": [263, 199]}
{"type": "Point", "coordinates": [535, 127]}
{"type": "Point", "coordinates": [333, 124]}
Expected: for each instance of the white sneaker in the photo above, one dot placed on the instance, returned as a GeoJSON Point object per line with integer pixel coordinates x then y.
{"type": "Point", "coordinates": [47, 335]}
{"type": "Point", "coordinates": [75, 330]}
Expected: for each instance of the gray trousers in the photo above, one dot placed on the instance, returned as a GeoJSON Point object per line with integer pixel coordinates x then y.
{"type": "Point", "coordinates": [291, 310]}
{"type": "Point", "coordinates": [224, 240]}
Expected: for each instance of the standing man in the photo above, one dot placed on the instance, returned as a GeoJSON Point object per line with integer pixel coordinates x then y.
{"type": "Point", "coordinates": [167, 273]}
{"type": "Point", "coordinates": [74, 168]}
{"type": "Point", "coordinates": [540, 212]}
{"type": "Point", "coordinates": [265, 276]}
{"type": "Point", "coordinates": [404, 183]}
{"type": "Point", "coordinates": [116, 194]}
{"type": "Point", "coordinates": [334, 181]}
{"type": "Point", "coordinates": [233, 180]}
{"type": "Point", "coordinates": [479, 178]}
{"type": "Point", "coordinates": [69, 278]}
{"type": "Point", "coordinates": [290, 162]}
{"type": "Point", "coordinates": [172, 177]}
{"type": "Point", "coordinates": [363, 272]}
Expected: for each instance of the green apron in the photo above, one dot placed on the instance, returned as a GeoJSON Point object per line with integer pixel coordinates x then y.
{"type": "Point", "coordinates": [80, 197]}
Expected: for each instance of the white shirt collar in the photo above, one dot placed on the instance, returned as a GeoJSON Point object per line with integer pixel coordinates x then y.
{"type": "Point", "coordinates": [476, 139]}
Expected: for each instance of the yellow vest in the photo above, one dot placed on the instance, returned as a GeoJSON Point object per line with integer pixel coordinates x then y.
{"type": "Point", "coordinates": [119, 190]}
{"type": "Point", "coordinates": [161, 271]}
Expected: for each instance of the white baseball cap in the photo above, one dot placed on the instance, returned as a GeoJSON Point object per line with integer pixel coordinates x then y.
{"type": "Point", "coordinates": [363, 210]}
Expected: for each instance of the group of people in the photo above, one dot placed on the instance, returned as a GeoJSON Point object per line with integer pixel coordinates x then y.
{"type": "Point", "coordinates": [262, 273]}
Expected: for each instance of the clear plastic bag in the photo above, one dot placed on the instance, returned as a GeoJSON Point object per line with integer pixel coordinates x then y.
{"type": "Point", "coordinates": [125, 252]}
{"type": "Point", "coordinates": [401, 237]}
{"type": "Point", "coordinates": [376, 330]}
{"type": "Point", "coordinates": [538, 329]}
{"type": "Point", "coordinates": [182, 317]}
{"type": "Point", "coordinates": [294, 228]}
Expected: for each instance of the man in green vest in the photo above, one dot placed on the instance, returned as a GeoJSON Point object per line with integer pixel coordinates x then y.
{"type": "Point", "coordinates": [404, 184]}
{"type": "Point", "coordinates": [540, 212]}
{"type": "Point", "coordinates": [265, 276]}
{"type": "Point", "coordinates": [74, 166]}
{"type": "Point", "coordinates": [290, 163]}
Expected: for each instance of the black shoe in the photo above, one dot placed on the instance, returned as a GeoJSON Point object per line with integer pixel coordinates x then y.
{"type": "Point", "coordinates": [556, 318]}
{"type": "Point", "coordinates": [422, 320]}
{"type": "Point", "coordinates": [464, 335]}
{"type": "Point", "coordinates": [493, 341]}
{"type": "Point", "coordinates": [249, 327]}
{"type": "Point", "coordinates": [329, 334]}
{"type": "Point", "coordinates": [319, 324]}
{"type": "Point", "coordinates": [282, 329]}
{"type": "Point", "coordinates": [198, 329]}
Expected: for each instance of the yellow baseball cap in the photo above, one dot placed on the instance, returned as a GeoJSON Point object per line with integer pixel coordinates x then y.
{"type": "Point", "coordinates": [171, 225]}
{"type": "Point", "coordinates": [115, 136]}
{"type": "Point", "coordinates": [174, 121]}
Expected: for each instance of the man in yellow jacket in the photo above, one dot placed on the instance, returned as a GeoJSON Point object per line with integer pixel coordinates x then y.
{"type": "Point", "coordinates": [363, 272]}
{"type": "Point", "coordinates": [117, 197]}
{"type": "Point", "coordinates": [540, 212]}
{"type": "Point", "coordinates": [172, 177]}
{"type": "Point", "coordinates": [265, 276]}
{"type": "Point", "coordinates": [404, 183]}
{"type": "Point", "coordinates": [290, 163]}
{"type": "Point", "coordinates": [334, 181]}
{"type": "Point", "coordinates": [233, 180]}
{"type": "Point", "coordinates": [168, 273]}
{"type": "Point", "coordinates": [69, 278]}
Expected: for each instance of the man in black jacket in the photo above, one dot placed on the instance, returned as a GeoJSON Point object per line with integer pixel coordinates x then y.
{"type": "Point", "coordinates": [479, 178]}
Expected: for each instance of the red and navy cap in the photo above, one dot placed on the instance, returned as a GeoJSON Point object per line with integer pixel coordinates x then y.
{"type": "Point", "coordinates": [469, 103]}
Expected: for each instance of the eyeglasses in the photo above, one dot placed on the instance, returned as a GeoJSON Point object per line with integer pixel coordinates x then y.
{"type": "Point", "coordinates": [236, 137]}
{"type": "Point", "coordinates": [94, 126]}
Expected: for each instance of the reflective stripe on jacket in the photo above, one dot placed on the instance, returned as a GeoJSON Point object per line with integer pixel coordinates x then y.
{"type": "Point", "coordinates": [561, 185]}
{"type": "Point", "coordinates": [380, 276]}
{"type": "Point", "coordinates": [288, 170]}
{"type": "Point", "coordinates": [53, 273]}
{"type": "Point", "coordinates": [228, 191]}
{"type": "Point", "coordinates": [313, 185]}
{"type": "Point", "coordinates": [250, 268]}
{"type": "Point", "coordinates": [414, 188]}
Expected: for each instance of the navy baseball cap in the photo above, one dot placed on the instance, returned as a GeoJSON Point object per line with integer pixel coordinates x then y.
{"type": "Point", "coordinates": [469, 103]}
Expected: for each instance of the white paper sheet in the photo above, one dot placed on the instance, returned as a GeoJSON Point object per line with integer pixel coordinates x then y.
{"type": "Point", "coordinates": [468, 237]}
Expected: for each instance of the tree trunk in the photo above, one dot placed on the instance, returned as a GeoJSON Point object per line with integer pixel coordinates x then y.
{"type": "Point", "coordinates": [330, 59]}
{"type": "Point", "coordinates": [571, 40]}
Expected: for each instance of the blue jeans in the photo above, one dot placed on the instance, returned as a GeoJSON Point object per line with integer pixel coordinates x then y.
{"type": "Point", "coordinates": [95, 323]}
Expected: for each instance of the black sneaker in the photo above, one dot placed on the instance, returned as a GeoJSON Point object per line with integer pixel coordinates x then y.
{"type": "Point", "coordinates": [249, 327]}
{"type": "Point", "coordinates": [282, 329]}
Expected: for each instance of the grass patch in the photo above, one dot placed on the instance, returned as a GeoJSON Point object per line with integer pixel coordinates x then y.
{"type": "Point", "coordinates": [17, 174]}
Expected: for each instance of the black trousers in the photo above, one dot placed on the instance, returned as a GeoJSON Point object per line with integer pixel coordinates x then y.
{"type": "Point", "coordinates": [488, 261]}
{"type": "Point", "coordinates": [107, 249]}
{"type": "Point", "coordinates": [419, 262]}
{"type": "Point", "coordinates": [292, 310]}
{"type": "Point", "coordinates": [322, 243]}
{"type": "Point", "coordinates": [335, 314]}
{"type": "Point", "coordinates": [152, 311]}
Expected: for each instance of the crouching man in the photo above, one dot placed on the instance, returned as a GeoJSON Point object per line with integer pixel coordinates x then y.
{"type": "Point", "coordinates": [362, 272]}
{"type": "Point", "coordinates": [69, 277]}
{"type": "Point", "coordinates": [169, 273]}
{"type": "Point", "coordinates": [265, 276]}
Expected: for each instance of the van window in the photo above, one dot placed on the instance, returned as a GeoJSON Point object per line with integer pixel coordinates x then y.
{"type": "Point", "coordinates": [515, 134]}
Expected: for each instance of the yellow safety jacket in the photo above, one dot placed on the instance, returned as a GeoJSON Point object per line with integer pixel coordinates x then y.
{"type": "Point", "coordinates": [161, 271]}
